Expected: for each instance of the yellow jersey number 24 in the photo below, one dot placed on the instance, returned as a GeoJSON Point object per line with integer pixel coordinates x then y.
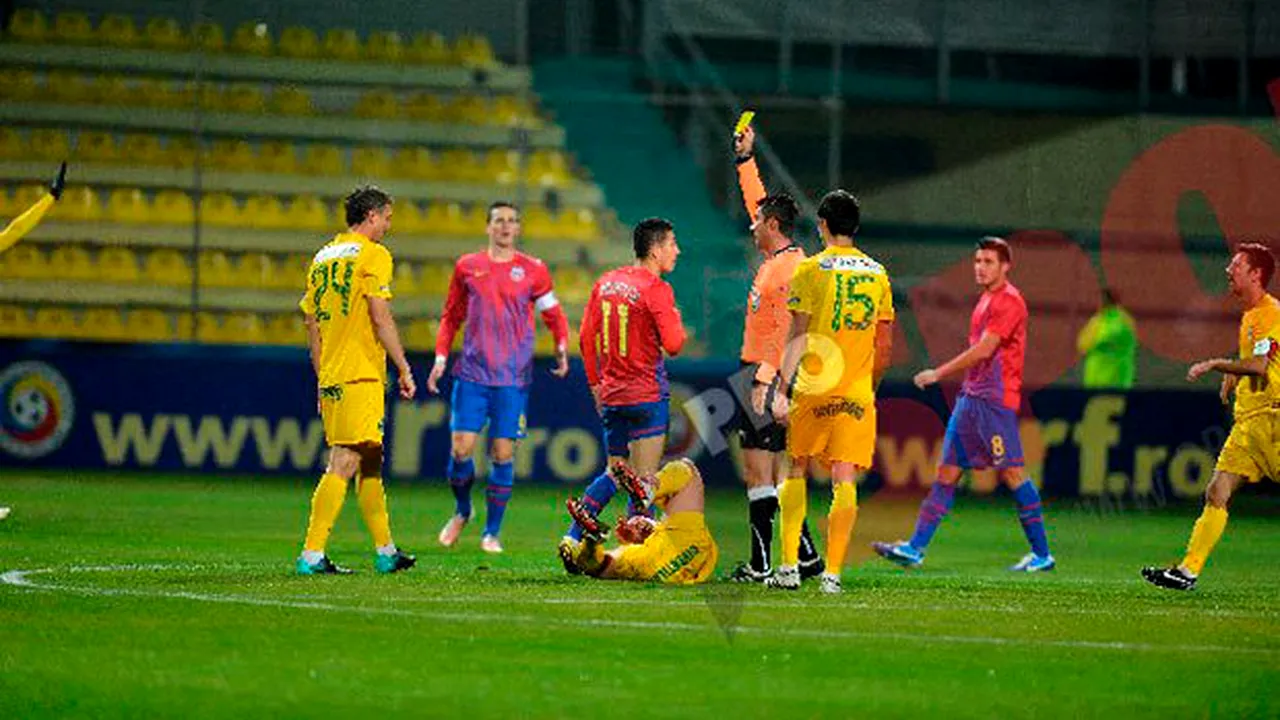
{"type": "Point", "coordinates": [324, 277]}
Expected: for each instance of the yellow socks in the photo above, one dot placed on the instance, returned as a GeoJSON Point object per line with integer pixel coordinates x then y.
{"type": "Point", "coordinates": [326, 503]}
{"type": "Point", "coordinates": [373, 506]}
{"type": "Point", "coordinates": [844, 512]}
{"type": "Point", "coordinates": [792, 501]}
{"type": "Point", "coordinates": [1204, 536]}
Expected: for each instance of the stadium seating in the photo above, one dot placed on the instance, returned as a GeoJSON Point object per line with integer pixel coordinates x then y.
{"type": "Point", "coordinates": [299, 42]}
{"type": "Point", "coordinates": [103, 324]}
{"type": "Point", "coordinates": [73, 28]}
{"type": "Point", "coordinates": [166, 266]}
{"type": "Point", "coordinates": [117, 264]}
{"type": "Point", "coordinates": [118, 31]}
{"type": "Point", "coordinates": [24, 261]}
{"type": "Point", "coordinates": [71, 262]}
{"type": "Point", "coordinates": [78, 204]}
{"type": "Point", "coordinates": [29, 25]}
{"type": "Point", "coordinates": [148, 325]}
{"type": "Point", "coordinates": [384, 47]}
{"type": "Point", "coordinates": [162, 33]}
{"type": "Point", "coordinates": [15, 321]}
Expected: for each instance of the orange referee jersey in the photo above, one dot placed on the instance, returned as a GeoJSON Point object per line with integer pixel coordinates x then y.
{"type": "Point", "coordinates": [768, 321]}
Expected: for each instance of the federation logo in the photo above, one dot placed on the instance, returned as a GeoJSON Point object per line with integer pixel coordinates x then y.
{"type": "Point", "coordinates": [38, 409]}
{"type": "Point", "coordinates": [517, 273]}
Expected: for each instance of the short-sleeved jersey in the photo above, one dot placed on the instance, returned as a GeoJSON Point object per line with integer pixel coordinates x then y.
{"type": "Point", "coordinates": [630, 321]}
{"type": "Point", "coordinates": [999, 378]}
{"type": "Point", "coordinates": [343, 276]}
{"type": "Point", "coordinates": [497, 301]}
{"type": "Point", "coordinates": [1254, 394]}
{"type": "Point", "coordinates": [846, 294]}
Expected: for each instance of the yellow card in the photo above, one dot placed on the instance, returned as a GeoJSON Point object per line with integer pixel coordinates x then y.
{"type": "Point", "coordinates": [743, 121]}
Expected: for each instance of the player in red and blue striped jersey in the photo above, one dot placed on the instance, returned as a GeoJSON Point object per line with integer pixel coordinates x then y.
{"type": "Point", "coordinates": [495, 292]}
{"type": "Point", "coordinates": [631, 321]}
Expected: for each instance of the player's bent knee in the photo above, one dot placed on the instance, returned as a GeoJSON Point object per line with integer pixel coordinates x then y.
{"type": "Point", "coordinates": [1220, 489]}
{"type": "Point", "coordinates": [502, 451]}
{"type": "Point", "coordinates": [343, 461]}
{"type": "Point", "coordinates": [462, 445]}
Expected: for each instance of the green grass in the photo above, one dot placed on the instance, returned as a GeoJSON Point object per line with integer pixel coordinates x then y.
{"type": "Point", "coordinates": [210, 622]}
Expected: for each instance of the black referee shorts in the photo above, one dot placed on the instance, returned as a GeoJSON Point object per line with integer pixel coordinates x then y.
{"type": "Point", "coordinates": [760, 432]}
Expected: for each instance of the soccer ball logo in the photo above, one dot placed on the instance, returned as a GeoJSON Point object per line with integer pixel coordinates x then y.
{"type": "Point", "coordinates": [37, 410]}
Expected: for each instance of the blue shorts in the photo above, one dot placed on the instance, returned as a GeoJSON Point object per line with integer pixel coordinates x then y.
{"type": "Point", "coordinates": [982, 434]}
{"type": "Point", "coordinates": [626, 423]}
{"type": "Point", "coordinates": [502, 406]}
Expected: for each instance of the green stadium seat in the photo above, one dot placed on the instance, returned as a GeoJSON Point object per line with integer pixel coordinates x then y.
{"type": "Point", "coordinates": [29, 25]}
{"type": "Point", "coordinates": [164, 33]}
{"type": "Point", "coordinates": [72, 28]}
{"type": "Point", "coordinates": [117, 30]}
{"type": "Point", "coordinates": [342, 44]}
{"type": "Point", "coordinates": [299, 42]}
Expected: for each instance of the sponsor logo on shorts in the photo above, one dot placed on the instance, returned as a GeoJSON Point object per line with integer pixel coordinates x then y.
{"type": "Point", "coordinates": [839, 407]}
{"type": "Point", "coordinates": [331, 392]}
{"type": "Point", "coordinates": [677, 563]}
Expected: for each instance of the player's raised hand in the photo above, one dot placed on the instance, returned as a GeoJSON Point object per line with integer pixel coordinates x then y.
{"type": "Point", "coordinates": [408, 388]}
{"type": "Point", "coordinates": [562, 364]}
{"type": "Point", "coordinates": [433, 380]}
{"type": "Point", "coordinates": [1199, 369]}
{"type": "Point", "coordinates": [925, 378]}
{"type": "Point", "coordinates": [744, 142]}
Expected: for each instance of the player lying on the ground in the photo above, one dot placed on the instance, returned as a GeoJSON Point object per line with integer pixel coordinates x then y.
{"type": "Point", "coordinates": [678, 550]}
{"type": "Point", "coordinates": [1251, 451]}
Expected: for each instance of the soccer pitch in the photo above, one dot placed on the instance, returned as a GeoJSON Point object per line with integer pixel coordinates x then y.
{"type": "Point", "coordinates": [128, 596]}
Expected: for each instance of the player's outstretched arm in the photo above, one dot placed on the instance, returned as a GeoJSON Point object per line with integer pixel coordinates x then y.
{"type": "Point", "coordinates": [384, 327]}
{"type": "Point", "coordinates": [32, 216]}
{"type": "Point", "coordinates": [1244, 367]}
{"type": "Point", "coordinates": [749, 181]}
{"type": "Point", "coordinates": [979, 351]}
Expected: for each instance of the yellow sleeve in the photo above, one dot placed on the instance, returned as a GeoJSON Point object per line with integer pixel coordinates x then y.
{"type": "Point", "coordinates": [25, 222]}
{"type": "Point", "coordinates": [800, 298]}
{"type": "Point", "coordinates": [885, 312]}
{"type": "Point", "coordinates": [376, 275]}
{"type": "Point", "coordinates": [307, 303]}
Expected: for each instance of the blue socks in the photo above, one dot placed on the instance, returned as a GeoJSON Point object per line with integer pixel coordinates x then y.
{"type": "Point", "coordinates": [462, 473]}
{"type": "Point", "coordinates": [598, 494]}
{"type": "Point", "coordinates": [501, 477]}
{"type": "Point", "coordinates": [936, 505]}
{"type": "Point", "coordinates": [1031, 518]}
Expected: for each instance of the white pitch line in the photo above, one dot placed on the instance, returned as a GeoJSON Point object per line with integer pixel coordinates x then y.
{"type": "Point", "coordinates": [22, 579]}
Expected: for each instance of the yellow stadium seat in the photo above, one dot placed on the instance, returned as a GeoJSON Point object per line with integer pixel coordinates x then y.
{"type": "Point", "coordinates": [289, 100]}
{"type": "Point", "coordinates": [342, 44]}
{"type": "Point", "coordinates": [435, 278]}
{"type": "Point", "coordinates": [417, 163]}
{"type": "Point", "coordinates": [502, 166]}
{"type": "Point", "coordinates": [24, 261]}
{"type": "Point", "coordinates": [209, 96]}
{"type": "Point", "coordinates": [285, 329]}
{"type": "Point", "coordinates": [548, 167]}
{"type": "Point", "coordinates": [118, 31]}
{"type": "Point", "coordinates": [428, 48]}
{"type": "Point", "coordinates": [209, 37]}
{"type": "Point", "coordinates": [148, 325]}
{"type": "Point", "coordinates": [166, 266]}
{"type": "Point", "coordinates": [511, 110]}
{"type": "Point", "coordinates": [243, 328]}
{"type": "Point", "coordinates": [102, 323]}
{"type": "Point", "coordinates": [28, 25]}
{"type": "Point", "coordinates": [245, 99]}
{"type": "Point", "coordinates": [384, 46]}
{"type": "Point", "coordinates": [15, 321]}
{"type": "Point", "coordinates": [48, 144]}
{"type": "Point", "coordinates": [231, 155]}
{"type": "Point", "coordinates": [154, 92]}
{"type": "Point", "coordinates": [299, 42]}
{"type": "Point", "coordinates": [370, 163]}
{"type": "Point", "coordinates": [128, 205]}
{"type": "Point", "coordinates": [220, 210]}
{"type": "Point", "coordinates": [54, 322]}
{"type": "Point", "coordinates": [180, 151]}
{"type": "Point", "coordinates": [408, 218]}
{"type": "Point", "coordinates": [277, 156]}
{"type": "Point", "coordinates": [468, 109]}
{"type": "Point", "coordinates": [378, 104]}
{"type": "Point", "coordinates": [18, 85]}
{"type": "Point", "coordinates": [11, 145]}
{"type": "Point", "coordinates": [405, 281]}
{"type": "Point", "coordinates": [258, 270]}
{"type": "Point", "coordinates": [447, 218]}
{"type": "Point", "coordinates": [581, 224]}
{"type": "Point", "coordinates": [72, 28]}
{"type": "Point", "coordinates": [71, 262]}
{"type": "Point", "coordinates": [112, 90]}
{"type": "Point", "coordinates": [163, 33]}
{"type": "Point", "coordinates": [536, 223]}
{"type": "Point", "coordinates": [96, 146]}
{"type": "Point", "coordinates": [474, 51]}
{"type": "Point", "coordinates": [216, 270]}
{"type": "Point", "coordinates": [320, 159]}
{"type": "Point", "coordinates": [307, 212]}
{"type": "Point", "coordinates": [27, 195]}
{"type": "Point", "coordinates": [65, 86]}
{"type": "Point", "coordinates": [427, 107]}
{"type": "Point", "coordinates": [208, 328]}
{"type": "Point", "coordinates": [462, 165]}
{"type": "Point", "coordinates": [251, 38]}
{"type": "Point", "coordinates": [173, 207]}
{"type": "Point", "coordinates": [420, 334]}
{"type": "Point", "coordinates": [573, 283]}
{"type": "Point", "coordinates": [142, 149]}
{"type": "Point", "coordinates": [8, 208]}
{"type": "Point", "coordinates": [118, 265]}
{"type": "Point", "coordinates": [79, 204]}
{"type": "Point", "coordinates": [264, 211]}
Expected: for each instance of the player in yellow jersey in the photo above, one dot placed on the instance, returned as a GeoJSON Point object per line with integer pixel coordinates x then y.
{"type": "Point", "coordinates": [679, 550]}
{"type": "Point", "coordinates": [350, 332]}
{"type": "Point", "coordinates": [1252, 450]}
{"type": "Point", "coordinates": [840, 340]}
{"type": "Point", "coordinates": [24, 223]}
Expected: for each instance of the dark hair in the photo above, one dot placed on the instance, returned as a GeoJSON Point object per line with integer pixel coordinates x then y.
{"type": "Point", "coordinates": [783, 208]}
{"type": "Point", "coordinates": [488, 216]}
{"type": "Point", "coordinates": [649, 232]}
{"type": "Point", "coordinates": [999, 246]}
{"type": "Point", "coordinates": [842, 211]}
{"type": "Point", "coordinates": [1260, 258]}
{"type": "Point", "coordinates": [362, 201]}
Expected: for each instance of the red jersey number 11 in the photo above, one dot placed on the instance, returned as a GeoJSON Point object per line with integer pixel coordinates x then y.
{"type": "Point", "coordinates": [606, 309]}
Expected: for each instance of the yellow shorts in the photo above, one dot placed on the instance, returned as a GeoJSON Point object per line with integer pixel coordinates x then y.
{"type": "Point", "coordinates": [834, 429]}
{"type": "Point", "coordinates": [1252, 450]}
{"type": "Point", "coordinates": [353, 412]}
{"type": "Point", "coordinates": [680, 551]}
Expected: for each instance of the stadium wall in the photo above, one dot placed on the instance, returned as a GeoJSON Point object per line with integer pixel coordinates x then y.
{"type": "Point", "coordinates": [252, 411]}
